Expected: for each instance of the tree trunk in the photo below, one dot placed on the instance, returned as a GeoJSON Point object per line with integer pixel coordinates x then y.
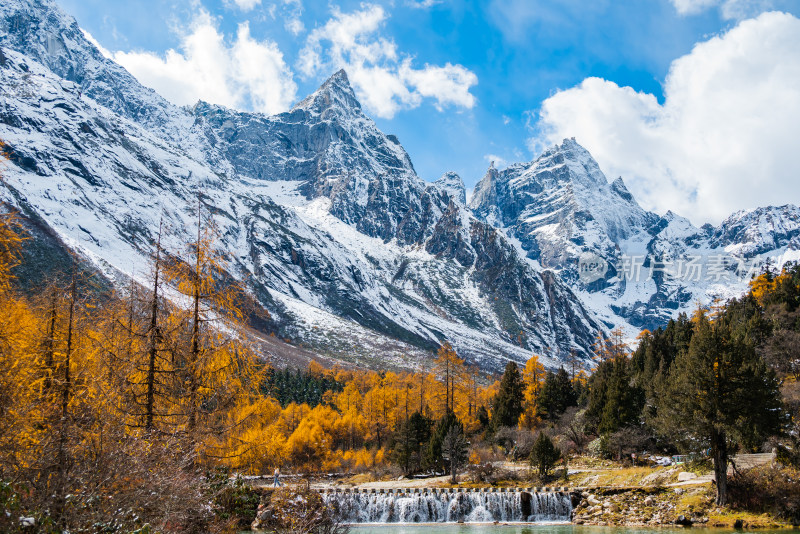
{"type": "Point", "coordinates": [407, 436]}
{"type": "Point", "coordinates": [719, 448]}
{"type": "Point", "coordinates": [447, 386]}
{"type": "Point", "coordinates": [50, 341]}
{"type": "Point", "coordinates": [153, 341]}
{"type": "Point", "coordinates": [66, 391]}
{"type": "Point", "coordinates": [422, 392]}
{"type": "Point", "coordinates": [195, 346]}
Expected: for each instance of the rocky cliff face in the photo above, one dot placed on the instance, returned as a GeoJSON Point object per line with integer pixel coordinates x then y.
{"type": "Point", "coordinates": [320, 212]}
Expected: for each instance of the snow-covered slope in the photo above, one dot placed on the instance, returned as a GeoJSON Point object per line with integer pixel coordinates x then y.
{"type": "Point", "coordinates": [318, 211]}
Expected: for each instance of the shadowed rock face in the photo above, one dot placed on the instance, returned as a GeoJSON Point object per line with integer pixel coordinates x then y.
{"type": "Point", "coordinates": [328, 144]}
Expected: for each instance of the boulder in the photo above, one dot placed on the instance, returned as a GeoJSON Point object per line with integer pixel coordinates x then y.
{"type": "Point", "coordinates": [685, 476]}
{"type": "Point", "coordinates": [649, 501]}
{"type": "Point", "coordinates": [683, 521]}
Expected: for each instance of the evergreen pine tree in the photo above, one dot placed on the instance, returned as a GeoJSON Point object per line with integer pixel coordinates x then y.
{"type": "Point", "coordinates": [435, 458]}
{"type": "Point", "coordinates": [411, 437]}
{"type": "Point", "coordinates": [622, 402]}
{"type": "Point", "coordinates": [454, 450]}
{"type": "Point", "coordinates": [508, 401]}
{"type": "Point", "coordinates": [483, 417]}
{"type": "Point", "coordinates": [557, 394]}
{"type": "Point", "coordinates": [544, 455]}
{"type": "Point", "coordinates": [719, 393]}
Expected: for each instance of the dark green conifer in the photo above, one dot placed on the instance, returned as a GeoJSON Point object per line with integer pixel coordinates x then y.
{"type": "Point", "coordinates": [544, 455]}
{"type": "Point", "coordinates": [557, 395]}
{"type": "Point", "coordinates": [508, 401]}
{"type": "Point", "coordinates": [410, 442]}
{"type": "Point", "coordinates": [435, 458]}
{"type": "Point", "coordinates": [719, 393]}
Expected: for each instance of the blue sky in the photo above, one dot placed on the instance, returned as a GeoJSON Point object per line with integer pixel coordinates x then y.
{"type": "Point", "coordinates": [465, 82]}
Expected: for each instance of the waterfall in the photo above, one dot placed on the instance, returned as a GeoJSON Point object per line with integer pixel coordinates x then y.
{"type": "Point", "coordinates": [440, 506]}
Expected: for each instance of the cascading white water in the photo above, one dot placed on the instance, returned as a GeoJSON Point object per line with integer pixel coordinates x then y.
{"type": "Point", "coordinates": [443, 506]}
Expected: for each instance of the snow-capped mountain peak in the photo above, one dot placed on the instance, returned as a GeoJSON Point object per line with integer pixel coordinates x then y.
{"type": "Point", "coordinates": [335, 95]}
{"type": "Point", "coordinates": [618, 186]}
{"type": "Point", "coordinates": [760, 230]}
{"type": "Point", "coordinates": [453, 185]}
{"type": "Point", "coordinates": [42, 31]}
{"type": "Point", "coordinates": [567, 162]}
{"type": "Point", "coordinates": [567, 217]}
{"type": "Point", "coordinates": [560, 206]}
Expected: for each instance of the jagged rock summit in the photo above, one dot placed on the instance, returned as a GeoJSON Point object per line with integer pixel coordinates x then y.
{"type": "Point", "coordinates": [452, 184]}
{"type": "Point", "coordinates": [560, 205]}
{"type": "Point", "coordinates": [335, 96]}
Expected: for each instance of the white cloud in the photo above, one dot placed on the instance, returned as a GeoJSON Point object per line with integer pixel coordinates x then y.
{"type": "Point", "coordinates": [690, 7]}
{"type": "Point", "coordinates": [293, 10]}
{"type": "Point", "coordinates": [246, 5]}
{"type": "Point", "coordinates": [730, 9]}
{"type": "Point", "coordinates": [447, 85]}
{"type": "Point", "coordinates": [725, 137]}
{"type": "Point", "coordinates": [422, 4]}
{"type": "Point", "coordinates": [243, 74]}
{"type": "Point", "coordinates": [384, 79]}
{"type": "Point", "coordinates": [294, 26]}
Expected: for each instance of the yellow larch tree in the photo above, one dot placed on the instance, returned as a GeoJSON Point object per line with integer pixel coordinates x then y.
{"type": "Point", "coordinates": [448, 367]}
{"type": "Point", "coordinates": [533, 378]}
{"type": "Point", "coordinates": [601, 347]}
{"type": "Point", "coordinates": [219, 375]}
{"type": "Point", "coordinates": [22, 372]}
